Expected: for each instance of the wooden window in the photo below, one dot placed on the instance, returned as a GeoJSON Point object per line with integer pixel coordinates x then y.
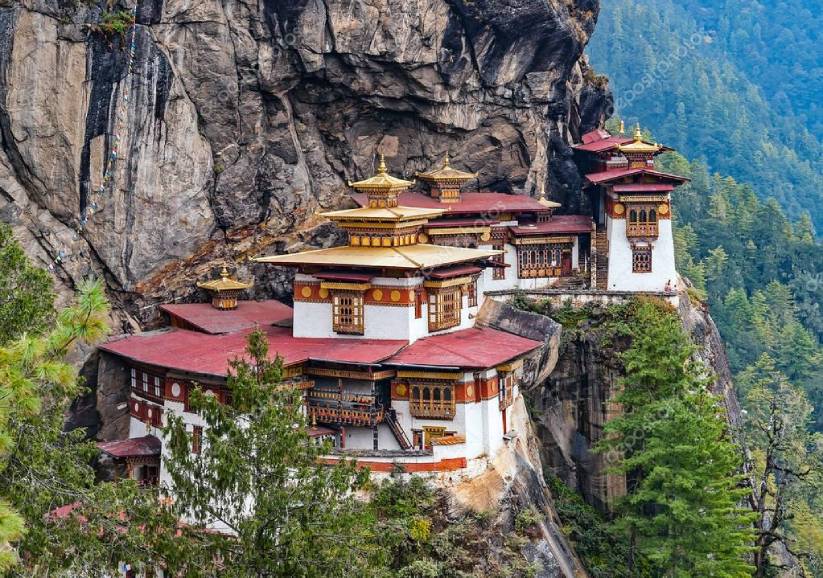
{"type": "Point", "coordinates": [543, 260]}
{"type": "Point", "coordinates": [133, 378]}
{"type": "Point", "coordinates": [471, 291]}
{"type": "Point", "coordinates": [419, 296]}
{"type": "Point", "coordinates": [196, 439]}
{"type": "Point", "coordinates": [445, 305]}
{"type": "Point", "coordinates": [641, 259]}
{"type": "Point", "coordinates": [499, 272]}
{"type": "Point", "coordinates": [347, 312]}
{"type": "Point", "coordinates": [146, 384]}
{"type": "Point", "coordinates": [432, 399]}
{"type": "Point", "coordinates": [642, 222]}
{"type": "Point", "coordinates": [506, 393]}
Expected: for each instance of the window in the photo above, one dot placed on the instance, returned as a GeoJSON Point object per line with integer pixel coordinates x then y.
{"type": "Point", "coordinates": [499, 272]}
{"type": "Point", "coordinates": [133, 378]}
{"type": "Point", "coordinates": [146, 384]}
{"type": "Point", "coordinates": [445, 305]}
{"type": "Point", "coordinates": [641, 259]}
{"type": "Point", "coordinates": [419, 296]}
{"type": "Point", "coordinates": [347, 312]}
{"type": "Point", "coordinates": [642, 222]}
{"type": "Point", "coordinates": [543, 260]}
{"type": "Point", "coordinates": [196, 439]}
{"type": "Point", "coordinates": [432, 399]}
{"type": "Point", "coordinates": [471, 291]}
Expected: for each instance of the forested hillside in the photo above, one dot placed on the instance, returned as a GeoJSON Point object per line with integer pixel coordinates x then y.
{"type": "Point", "coordinates": [732, 84]}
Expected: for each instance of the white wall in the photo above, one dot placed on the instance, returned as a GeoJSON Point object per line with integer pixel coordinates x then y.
{"type": "Point", "coordinates": [621, 277]}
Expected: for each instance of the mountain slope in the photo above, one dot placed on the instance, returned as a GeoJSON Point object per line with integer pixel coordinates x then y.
{"type": "Point", "coordinates": [697, 90]}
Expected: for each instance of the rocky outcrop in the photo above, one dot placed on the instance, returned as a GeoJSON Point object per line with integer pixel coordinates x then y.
{"type": "Point", "coordinates": [211, 131]}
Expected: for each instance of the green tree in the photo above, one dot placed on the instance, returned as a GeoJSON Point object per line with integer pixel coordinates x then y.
{"type": "Point", "coordinates": [682, 510]}
{"type": "Point", "coordinates": [787, 459]}
{"type": "Point", "coordinates": [259, 480]}
{"type": "Point", "coordinates": [26, 296]}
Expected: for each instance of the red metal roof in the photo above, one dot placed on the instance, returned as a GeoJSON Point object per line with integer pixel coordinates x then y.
{"type": "Point", "coordinates": [201, 353]}
{"type": "Point", "coordinates": [204, 317]}
{"type": "Point", "coordinates": [644, 188]}
{"type": "Point", "coordinates": [489, 205]}
{"type": "Point", "coordinates": [132, 448]}
{"type": "Point", "coordinates": [595, 135]}
{"type": "Point", "coordinates": [606, 176]}
{"type": "Point", "coordinates": [602, 145]}
{"type": "Point", "coordinates": [344, 276]}
{"type": "Point", "coordinates": [456, 271]}
{"type": "Point", "coordinates": [558, 224]}
{"type": "Point", "coordinates": [475, 348]}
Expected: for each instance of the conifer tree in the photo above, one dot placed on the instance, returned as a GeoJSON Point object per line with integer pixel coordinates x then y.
{"type": "Point", "coordinates": [259, 480]}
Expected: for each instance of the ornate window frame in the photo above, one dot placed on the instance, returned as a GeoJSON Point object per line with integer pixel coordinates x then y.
{"type": "Point", "coordinates": [348, 315]}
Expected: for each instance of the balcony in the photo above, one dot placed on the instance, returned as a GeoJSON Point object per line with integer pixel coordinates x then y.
{"type": "Point", "coordinates": [433, 409]}
{"type": "Point", "coordinates": [641, 230]}
{"type": "Point", "coordinates": [344, 407]}
{"type": "Point", "coordinates": [506, 398]}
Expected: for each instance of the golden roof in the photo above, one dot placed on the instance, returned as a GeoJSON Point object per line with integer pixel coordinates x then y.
{"type": "Point", "coordinates": [383, 214]}
{"type": "Point", "coordinates": [639, 146]}
{"type": "Point", "coordinates": [224, 283]}
{"type": "Point", "coordinates": [411, 257]}
{"type": "Point", "coordinates": [382, 181]}
{"type": "Point", "coordinates": [446, 173]}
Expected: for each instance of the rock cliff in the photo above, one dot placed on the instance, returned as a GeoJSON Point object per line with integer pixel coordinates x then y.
{"type": "Point", "coordinates": [214, 130]}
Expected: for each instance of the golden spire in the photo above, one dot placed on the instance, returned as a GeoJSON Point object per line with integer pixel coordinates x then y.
{"type": "Point", "coordinates": [622, 127]}
{"type": "Point", "coordinates": [446, 181]}
{"type": "Point", "coordinates": [382, 189]}
{"type": "Point", "coordinates": [224, 290]}
{"type": "Point", "coordinates": [639, 146]}
{"type": "Point", "coordinates": [638, 135]}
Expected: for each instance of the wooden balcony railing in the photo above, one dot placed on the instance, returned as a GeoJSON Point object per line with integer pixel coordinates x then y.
{"type": "Point", "coordinates": [346, 415]}
{"type": "Point", "coordinates": [641, 229]}
{"type": "Point", "coordinates": [435, 409]}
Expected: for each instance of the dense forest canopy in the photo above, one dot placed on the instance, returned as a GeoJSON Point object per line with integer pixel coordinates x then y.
{"type": "Point", "coordinates": [733, 85]}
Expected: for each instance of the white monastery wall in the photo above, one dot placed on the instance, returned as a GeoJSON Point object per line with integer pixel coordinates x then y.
{"type": "Point", "coordinates": [621, 277]}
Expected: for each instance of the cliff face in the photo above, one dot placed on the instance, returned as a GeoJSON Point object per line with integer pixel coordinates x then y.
{"type": "Point", "coordinates": [224, 126]}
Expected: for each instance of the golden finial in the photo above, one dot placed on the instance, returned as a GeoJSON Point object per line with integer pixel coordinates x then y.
{"type": "Point", "coordinates": [224, 272]}
{"type": "Point", "coordinates": [638, 136]}
{"type": "Point", "coordinates": [542, 192]}
{"type": "Point", "coordinates": [381, 168]}
{"type": "Point", "coordinates": [622, 127]}
{"type": "Point", "coordinates": [446, 161]}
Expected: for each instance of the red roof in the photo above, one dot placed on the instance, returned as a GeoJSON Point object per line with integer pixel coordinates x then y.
{"type": "Point", "coordinates": [558, 224]}
{"type": "Point", "coordinates": [195, 352]}
{"type": "Point", "coordinates": [602, 145]}
{"type": "Point", "coordinates": [475, 348]}
{"type": "Point", "coordinates": [204, 317]}
{"type": "Point", "coordinates": [456, 271]}
{"type": "Point", "coordinates": [595, 135]}
{"type": "Point", "coordinates": [132, 448]}
{"type": "Point", "coordinates": [489, 205]}
{"type": "Point", "coordinates": [606, 176]}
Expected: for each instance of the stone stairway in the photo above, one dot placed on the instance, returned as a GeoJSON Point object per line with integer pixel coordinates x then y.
{"type": "Point", "coordinates": [601, 243]}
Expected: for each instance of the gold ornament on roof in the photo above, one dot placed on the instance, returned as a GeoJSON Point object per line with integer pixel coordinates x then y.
{"type": "Point", "coordinates": [639, 146]}
{"type": "Point", "coordinates": [549, 204]}
{"type": "Point", "coordinates": [446, 181]}
{"type": "Point", "coordinates": [224, 290]}
{"type": "Point", "coordinates": [382, 189]}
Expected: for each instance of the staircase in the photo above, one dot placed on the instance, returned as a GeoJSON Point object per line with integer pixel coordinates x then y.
{"type": "Point", "coordinates": [571, 283]}
{"type": "Point", "coordinates": [397, 430]}
{"type": "Point", "coordinates": [601, 244]}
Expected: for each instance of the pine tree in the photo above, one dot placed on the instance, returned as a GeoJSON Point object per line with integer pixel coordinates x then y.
{"type": "Point", "coordinates": [258, 478]}
{"type": "Point", "coordinates": [682, 511]}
